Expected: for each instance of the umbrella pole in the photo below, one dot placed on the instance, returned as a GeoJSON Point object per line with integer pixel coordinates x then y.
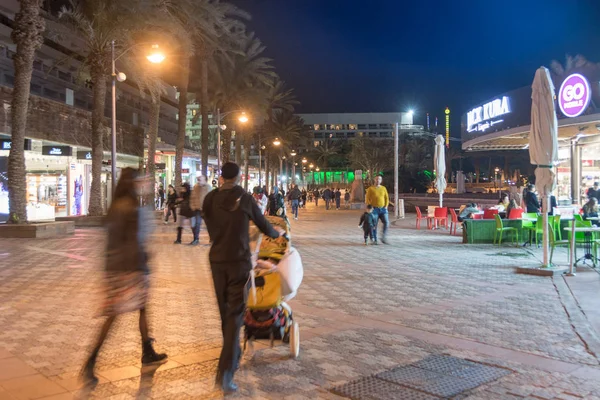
{"type": "Point", "coordinates": [572, 255]}
{"type": "Point", "coordinates": [441, 201]}
{"type": "Point", "coordinates": [545, 238]}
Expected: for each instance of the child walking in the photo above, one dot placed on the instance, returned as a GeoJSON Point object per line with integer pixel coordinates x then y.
{"type": "Point", "coordinates": [367, 223]}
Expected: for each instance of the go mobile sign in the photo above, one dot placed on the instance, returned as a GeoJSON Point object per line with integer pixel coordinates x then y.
{"type": "Point", "coordinates": [574, 95]}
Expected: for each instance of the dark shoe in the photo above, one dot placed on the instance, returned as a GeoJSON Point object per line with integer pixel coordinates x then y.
{"type": "Point", "coordinates": [87, 373]}
{"type": "Point", "coordinates": [179, 231]}
{"type": "Point", "coordinates": [384, 241]}
{"type": "Point", "coordinates": [149, 356]}
{"type": "Point", "coordinates": [229, 388]}
{"type": "Point", "coordinates": [195, 242]}
{"type": "Point", "coordinates": [177, 242]}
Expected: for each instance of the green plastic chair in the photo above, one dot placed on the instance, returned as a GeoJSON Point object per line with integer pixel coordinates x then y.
{"type": "Point", "coordinates": [537, 229]}
{"type": "Point", "coordinates": [556, 243]}
{"type": "Point", "coordinates": [500, 229]}
{"type": "Point", "coordinates": [579, 236]}
{"type": "Point", "coordinates": [556, 227]}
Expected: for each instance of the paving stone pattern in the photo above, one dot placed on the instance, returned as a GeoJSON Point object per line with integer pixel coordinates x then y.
{"type": "Point", "coordinates": [362, 310]}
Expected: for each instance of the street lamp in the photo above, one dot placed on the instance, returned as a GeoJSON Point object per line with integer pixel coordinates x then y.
{"type": "Point", "coordinates": [243, 119]}
{"type": "Point", "coordinates": [496, 170]}
{"type": "Point", "coordinates": [293, 154]}
{"type": "Point", "coordinates": [156, 57]}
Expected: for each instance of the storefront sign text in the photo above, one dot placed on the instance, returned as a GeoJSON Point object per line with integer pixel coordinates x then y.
{"type": "Point", "coordinates": [574, 95]}
{"type": "Point", "coordinates": [161, 166]}
{"type": "Point", "coordinates": [482, 118]}
{"type": "Point", "coordinates": [56, 150]}
{"type": "Point", "coordinates": [84, 155]}
{"type": "Point", "coordinates": [6, 144]}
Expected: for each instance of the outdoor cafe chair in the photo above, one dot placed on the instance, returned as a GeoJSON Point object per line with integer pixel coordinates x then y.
{"type": "Point", "coordinates": [454, 222]}
{"type": "Point", "coordinates": [536, 229]}
{"type": "Point", "coordinates": [515, 213]}
{"type": "Point", "coordinates": [500, 229]}
{"type": "Point", "coordinates": [556, 227]}
{"type": "Point", "coordinates": [489, 213]}
{"type": "Point", "coordinates": [440, 215]}
{"type": "Point", "coordinates": [555, 243]}
{"type": "Point", "coordinates": [420, 217]}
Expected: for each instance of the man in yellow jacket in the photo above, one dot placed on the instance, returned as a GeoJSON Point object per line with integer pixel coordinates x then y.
{"type": "Point", "coordinates": [377, 197]}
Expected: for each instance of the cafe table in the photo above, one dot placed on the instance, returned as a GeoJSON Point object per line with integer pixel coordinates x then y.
{"type": "Point", "coordinates": [588, 243]}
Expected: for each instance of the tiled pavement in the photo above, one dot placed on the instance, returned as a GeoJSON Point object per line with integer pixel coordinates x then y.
{"type": "Point", "coordinates": [362, 310]}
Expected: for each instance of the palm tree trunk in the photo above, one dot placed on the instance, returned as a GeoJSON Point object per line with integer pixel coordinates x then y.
{"type": "Point", "coordinates": [246, 162]}
{"type": "Point", "coordinates": [226, 147]}
{"type": "Point", "coordinates": [267, 171]}
{"type": "Point", "coordinates": [180, 144]}
{"type": "Point", "coordinates": [27, 34]}
{"type": "Point", "coordinates": [99, 99]}
{"type": "Point", "coordinates": [204, 112]}
{"type": "Point", "coordinates": [152, 135]}
{"type": "Point", "coordinates": [238, 146]}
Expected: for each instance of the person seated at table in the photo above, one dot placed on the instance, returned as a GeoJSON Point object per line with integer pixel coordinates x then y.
{"type": "Point", "coordinates": [502, 203]}
{"type": "Point", "coordinates": [590, 210]}
{"type": "Point", "coordinates": [512, 205]}
{"type": "Point", "coordinates": [531, 201]}
{"type": "Point", "coordinates": [553, 205]}
{"type": "Point", "coordinates": [468, 211]}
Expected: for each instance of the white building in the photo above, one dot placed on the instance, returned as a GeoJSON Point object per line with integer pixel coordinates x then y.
{"type": "Point", "coordinates": [353, 125]}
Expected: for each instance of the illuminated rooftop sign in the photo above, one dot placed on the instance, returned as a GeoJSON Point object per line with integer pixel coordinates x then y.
{"type": "Point", "coordinates": [484, 117]}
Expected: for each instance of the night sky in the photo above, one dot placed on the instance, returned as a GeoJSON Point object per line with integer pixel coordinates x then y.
{"type": "Point", "coordinates": [392, 55]}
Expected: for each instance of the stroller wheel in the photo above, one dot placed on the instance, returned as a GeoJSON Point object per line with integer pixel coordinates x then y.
{"type": "Point", "coordinates": [295, 340]}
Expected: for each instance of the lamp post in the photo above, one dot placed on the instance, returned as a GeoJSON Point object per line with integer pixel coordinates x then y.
{"type": "Point", "coordinates": [156, 57]}
{"type": "Point", "coordinates": [496, 178]}
{"type": "Point", "coordinates": [293, 154]}
{"type": "Point", "coordinates": [243, 119]}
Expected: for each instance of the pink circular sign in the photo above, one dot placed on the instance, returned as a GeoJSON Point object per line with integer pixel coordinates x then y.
{"type": "Point", "coordinates": [574, 95]}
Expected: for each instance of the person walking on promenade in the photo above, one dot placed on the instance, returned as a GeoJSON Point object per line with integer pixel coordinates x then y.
{"type": "Point", "coordinates": [276, 205]}
{"type": "Point", "coordinates": [295, 196]}
{"type": "Point", "coordinates": [126, 277]}
{"type": "Point", "coordinates": [377, 197]}
{"type": "Point", "coordinates": [201, 189]}
{"type": "Point", "coordinates": [367, 223]}
{"type": "Point", "coordinates": [186, 214]}
{"type": "Point", "coordinates": [304, 198]}
{"type": "Point", "coordinates": [171, 207]}
{"type": "Point", "coordinates": [227, 213]}
{"type": "Point", "coordinates": [316, 196]}
{"type": "Point", "coordinates": [161, 197]}
{"type": "Point", "coordinates": [261, 199]}
{"type": "Point", "coordinates": [347, 199]}
{"type": "Point", "coordinates": [327, 196]}
{"type": "Point", "coordinates": [338, 198]}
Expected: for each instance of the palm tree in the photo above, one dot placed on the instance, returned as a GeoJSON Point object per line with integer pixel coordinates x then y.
{"type": "Point", "coordinates": [98, 23]}
{"type": "Point", "coordinates": [27, 35]}
{"type": "Point", "coordinates": [324, 152]}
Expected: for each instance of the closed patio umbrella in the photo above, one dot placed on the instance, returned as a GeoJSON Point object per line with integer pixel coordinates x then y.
{"type": "Point", "coordinates": [440, 167]}
{"type": "Point", "coordinates": [543, 143]}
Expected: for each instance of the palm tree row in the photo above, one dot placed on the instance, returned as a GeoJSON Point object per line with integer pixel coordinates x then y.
{"type": "Point", "coordinates": [217, 60]}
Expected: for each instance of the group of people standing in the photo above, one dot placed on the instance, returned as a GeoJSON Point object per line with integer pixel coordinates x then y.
{"type": "Point", "coordinates": [331, 196]}
{"type": "Point", "coordinates": [227, 212]}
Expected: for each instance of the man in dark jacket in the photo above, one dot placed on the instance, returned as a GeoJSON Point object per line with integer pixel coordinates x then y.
{"type": "Point", "coordinates": [532, 203]}
{"type": "Point", "coordinates": [276, 205]}
{"type": "Point", "coordinates": [185, 211]}
{"type": "Point", "coordinates": [327, 196]}
{"type": "Point", "coordinates": [227, 213]}
{"type": "Point", "coordinates": [295, 196]}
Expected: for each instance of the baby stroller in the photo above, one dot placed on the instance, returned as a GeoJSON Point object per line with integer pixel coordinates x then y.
{"type": "Point", "coordinates": [275, 278]}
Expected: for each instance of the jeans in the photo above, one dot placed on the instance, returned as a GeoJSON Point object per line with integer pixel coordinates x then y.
{"type": "Point", "coordinates": [230, 282]}
{"type": "Point", "coordinates": [295, 204]}
{"type": "Point", "coordinates": [171, 209]}
{"type": "Point", "coordinates": [370, 233]}
{"type": "Point", "coordinates": [327, 204]}
{"type": "Point", "coordinates": [381, 213]}
{"type": "Point", "coordinates": [337, 203]}
{"type": "Point", "coordinates": [197, 223]}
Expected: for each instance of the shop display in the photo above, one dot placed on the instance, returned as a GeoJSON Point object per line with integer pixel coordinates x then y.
{"type": "Point", "coordinates": [47, 189]}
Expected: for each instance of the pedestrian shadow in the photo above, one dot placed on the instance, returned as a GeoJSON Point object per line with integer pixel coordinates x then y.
{"type": "Point", "coordinates": [146, 382]}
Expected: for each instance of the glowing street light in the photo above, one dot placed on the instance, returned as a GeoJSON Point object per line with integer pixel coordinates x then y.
{"type": "Point", "coordinates": [156, 57]}
{"type": "Point", "coordinates": [311, 166]}
{"type": "Point", "coordinates": [243, 118]}
{"type": "Point", "coordinates": [411, 112]}
{"type": "Point", "coordinates": [276, 142]}
{"type": "Point", "coordinates": [304, 160]}
{"type": "Point", "coordinates": [293, 153]}
{"type": "Point", "coordinates": [317, 169]}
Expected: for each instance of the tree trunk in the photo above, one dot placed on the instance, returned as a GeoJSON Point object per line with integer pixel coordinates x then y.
{"type": "Point", "coordinates": [226, 147]}
{"type": "Point", "coordinates": [99, 80]}
{"type": "Point", "coordinates": [267, 168]}
{"type": "Point", "coordinates": [477, 170]}
{"type": "Point", "coordinates": [204, 112]}
{"type": "Point", "coordinates": [152, 135]}
{"type": "Point", "coordinates": [246, 162]}
{"type": "Point", "coordinates": [238, 146]}
{"type": "Point", "coordinates": [27, 35]}
{"type": "Point", "coordinates": [180, 144]}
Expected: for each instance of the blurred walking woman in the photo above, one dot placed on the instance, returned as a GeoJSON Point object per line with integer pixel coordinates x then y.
{"type": "Point", "coordinates": [126, 277]}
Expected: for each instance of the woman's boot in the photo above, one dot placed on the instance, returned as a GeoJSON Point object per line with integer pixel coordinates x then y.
{"type": "Point", "coordinates": [149, 356]}
{"type": "Point", "coordinates": [87, 373]}
{"type": "Point", "coordinates": [179, 230]}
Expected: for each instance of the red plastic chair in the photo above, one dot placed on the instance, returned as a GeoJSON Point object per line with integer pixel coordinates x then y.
{"type": "Point", "coordinates": [440, 215]}
{"type": "Point", "coordinates": [515, 213]}
{"type": "Point", "coordinates": [489, 213]}
{"type": "Point", "coordinates": [454, 222]}
{"type": "Point", "coordinates": [421, 217]}
{"type": "Point", "coordinates": [477, 216]}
